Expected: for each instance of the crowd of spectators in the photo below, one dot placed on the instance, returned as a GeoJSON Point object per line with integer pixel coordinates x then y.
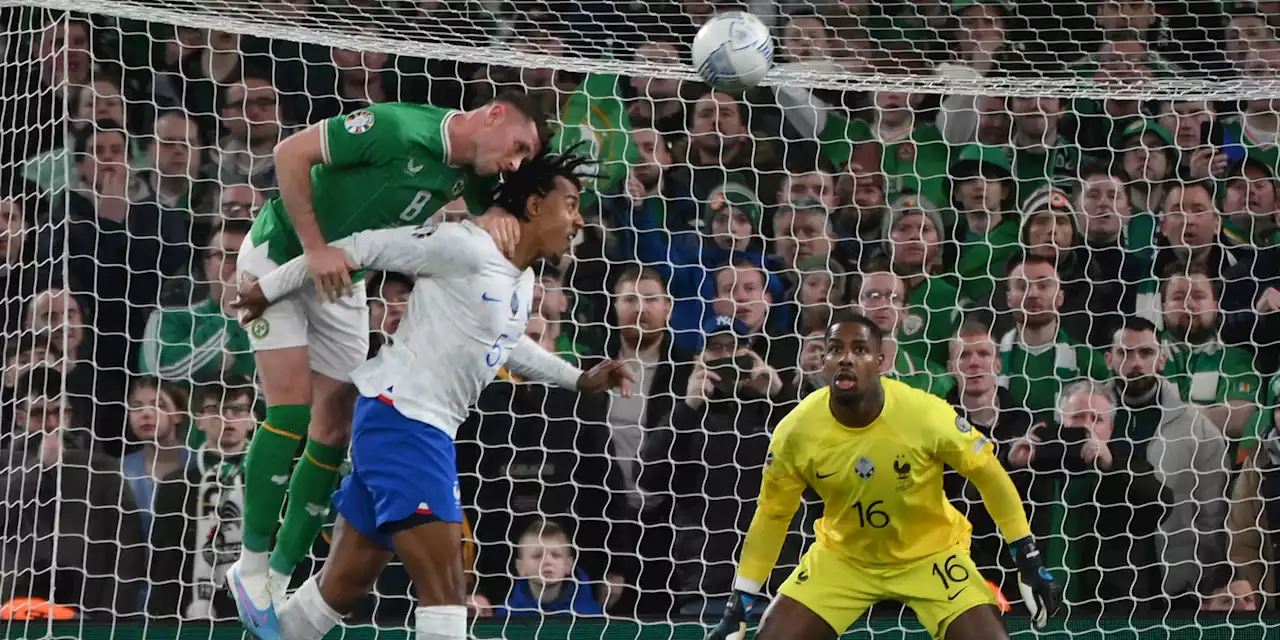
{"type": "Point", "coordinates": [1093, 283]}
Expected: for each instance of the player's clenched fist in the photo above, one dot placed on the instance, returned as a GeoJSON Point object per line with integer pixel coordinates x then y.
{"type": "Point", "coordinates": [1041, 594]}
{"type": "Point", "coordinates": [733, 624]}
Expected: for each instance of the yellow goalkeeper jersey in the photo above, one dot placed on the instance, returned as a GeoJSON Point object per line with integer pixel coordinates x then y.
{"type": "Point", "coordinates": [881, 485]}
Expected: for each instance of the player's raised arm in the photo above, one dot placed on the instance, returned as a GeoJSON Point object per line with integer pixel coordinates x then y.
{"type": "Point", "coordinates": [973, 456]}
{"type": "Point", "coordinates": [295, 156]}
{"type": "Point", "coordinates": [780, 493]}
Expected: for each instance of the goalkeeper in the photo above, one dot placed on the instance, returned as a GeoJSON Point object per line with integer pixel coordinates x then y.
{"type": "Point", "coordinates": [875, 450]}
{"type": "Point", "coordinates": [389, 165]}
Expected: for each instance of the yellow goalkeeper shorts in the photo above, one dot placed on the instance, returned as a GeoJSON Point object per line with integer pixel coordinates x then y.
{"type": "Point", "coordinates": [938, 588]}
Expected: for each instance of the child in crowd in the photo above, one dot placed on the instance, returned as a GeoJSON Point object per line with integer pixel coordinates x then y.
{"type": "Point", "coordinates": [197, 531]}
{"type": "Point", "coordinates": [156, 412]}
{"type": "Point", "coordinates": [548, 582]}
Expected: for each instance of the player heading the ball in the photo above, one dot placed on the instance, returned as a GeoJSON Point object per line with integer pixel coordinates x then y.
{"type": "Point", "coordinates": [874, 449]}
{"type": "Point", "coordinates": [466, 319]}
{"type": "Point", "coordinates": [383, 166]}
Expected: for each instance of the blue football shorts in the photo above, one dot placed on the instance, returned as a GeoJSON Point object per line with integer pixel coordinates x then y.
{"type": "Point", "coordinates": [402, 471]}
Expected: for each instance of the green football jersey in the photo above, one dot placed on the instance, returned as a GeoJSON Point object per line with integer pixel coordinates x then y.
{"type": "Point", "coordinates": [1035, 377]}
{"type": "Point", "coordinates": [931, 321]}
{"type": "Point", "coordinates": [384, 166]}
{"type": "Point", "coordinates": [1211, 374]}
{"type": "Point", "coordinates": [922, 375]}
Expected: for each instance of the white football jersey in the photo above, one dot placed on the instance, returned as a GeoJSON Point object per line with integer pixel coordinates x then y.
{"type": "Point", "coordinates": [466, 319]}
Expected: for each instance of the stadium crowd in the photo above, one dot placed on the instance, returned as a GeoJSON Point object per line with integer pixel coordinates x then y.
{"type": "Point", "coordinates": [1094, 284]}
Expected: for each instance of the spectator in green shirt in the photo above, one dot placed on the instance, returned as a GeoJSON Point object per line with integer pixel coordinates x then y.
{"type": "Point", "coordinates": [1219, 379]}
{"type": "Point", "coordinates": [984, 226]}
{"type": "Point", "coordinates": [882, 298]}
{"type": "Point", "coordinates": [1148, 159]}
{"type": "Point", "coordinates": [193, 343]}
{"type": "Point", "coordinates": [913, 240]}
{"type": "Point", "coordinates": [1036, 356]}
{"type": "Point", "coordinates": [1041, 154]}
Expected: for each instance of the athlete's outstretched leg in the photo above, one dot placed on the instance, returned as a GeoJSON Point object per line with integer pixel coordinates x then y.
{"type": "Point", "coordinates": [316, 475]}
{"type": "Point", "coordinates": [787, 619]}
{"type": "Point", "coordinates": [326, 598]}
{"type": "Point", "coordinates": [267, 472]}
{"type": "Point", "coordinates": [982, 622]}
{"type": "Point", "coordinates": [432, 554]}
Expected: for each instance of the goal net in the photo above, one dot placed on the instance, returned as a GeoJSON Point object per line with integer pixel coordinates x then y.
{"type": "Point", "coordinates": [1062, 216]}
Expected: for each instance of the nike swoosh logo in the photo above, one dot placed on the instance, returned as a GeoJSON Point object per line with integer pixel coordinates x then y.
{"type": "Point", "coordinates": [486, 298]}
{"type": "Point", "coordinates": [956, 594]}
{"type": "Point", "coordinates": [820, 476]}
{"type": "Point", "coordinates": [257, 616]}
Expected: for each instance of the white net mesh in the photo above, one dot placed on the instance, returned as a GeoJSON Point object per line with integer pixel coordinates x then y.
{"type": "Point", "coordinates": [895, 162]}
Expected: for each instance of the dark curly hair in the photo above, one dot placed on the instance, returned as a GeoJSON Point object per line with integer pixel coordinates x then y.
{"type": "Point", "coordinates": [537, 177]}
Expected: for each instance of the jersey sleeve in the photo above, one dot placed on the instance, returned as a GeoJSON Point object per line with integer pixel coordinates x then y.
{"type": "Point", "coordinates": [956, 442]}
{"type": "Point", "coordinates": [780, 493]}
{"type": "Point", "coordinates": [365, 136]}
{"type": "Point", "coordinates": [447, 250]}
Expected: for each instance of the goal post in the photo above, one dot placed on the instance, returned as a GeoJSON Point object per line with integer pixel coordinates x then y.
{"type": "Point", "coordinates": [1021, 208]}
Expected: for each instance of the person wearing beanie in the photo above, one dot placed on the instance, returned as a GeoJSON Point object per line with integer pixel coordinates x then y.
{"type": "Point", "coordinates": [1249, 205]}
{"type": "Point", "coordinates": [731, 216]}
{"type": "Point", "coordinates": [913, 241]}
{"type": "Point", "coordinates": [1048, 230]}
{"type": "Point", "coordinates": [984, 231]}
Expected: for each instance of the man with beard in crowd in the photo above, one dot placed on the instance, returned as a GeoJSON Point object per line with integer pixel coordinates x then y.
{"type": "Point", "coordinates": [1188, 454]}
{"type": "Point", "coordinates": [1218, 378]}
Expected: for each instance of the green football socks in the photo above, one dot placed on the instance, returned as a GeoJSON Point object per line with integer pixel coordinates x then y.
{"type": "Point", "coordinates": [314, 481]}
{"type": "Point", "coordinates": [267, 471]}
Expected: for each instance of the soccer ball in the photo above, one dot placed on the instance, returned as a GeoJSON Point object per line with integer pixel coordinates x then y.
{"type": "Point", "coordinates": [733, 51]}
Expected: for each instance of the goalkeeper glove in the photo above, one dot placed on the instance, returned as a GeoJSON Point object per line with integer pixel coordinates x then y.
{"type": "Point", "coordinates": [1040, 593]}
{"type": "Point", "coordinates": [733, 624]}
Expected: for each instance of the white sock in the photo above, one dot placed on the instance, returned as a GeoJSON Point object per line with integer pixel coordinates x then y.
{"type": "Point", "coordinates": [445, 622]}
{"type": "Point", "coordinates": [306, 616]}
{"type": "Point", "coordinates": [277, 585]}
{"type": "Point", "coordinates": [254, 564]}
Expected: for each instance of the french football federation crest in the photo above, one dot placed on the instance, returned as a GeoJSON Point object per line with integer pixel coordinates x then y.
{"type": "Point", "coordinates": [359, 122]}
{"type": "Point", "coordinates": [963, 425]}
{"type": "Point", "coordinates": [864, 468]}
{"type": "Point", "coordinates": [515, 305]}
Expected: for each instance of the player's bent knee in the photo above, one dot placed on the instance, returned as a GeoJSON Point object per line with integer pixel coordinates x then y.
{"type": "Point", "coordinates": [332, 410]}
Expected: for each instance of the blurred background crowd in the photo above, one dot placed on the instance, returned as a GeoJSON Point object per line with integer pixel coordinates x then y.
{"type": "Point", "coordinates": [1092, 283]}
